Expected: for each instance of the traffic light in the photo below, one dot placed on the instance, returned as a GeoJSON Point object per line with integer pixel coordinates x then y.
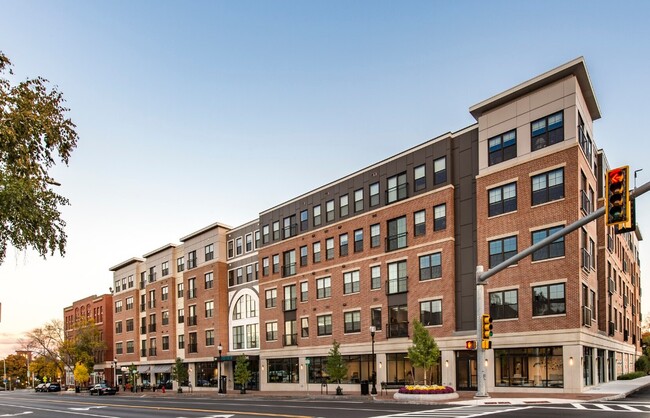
{"type": "Point", "coordinates": [486, 321]}
{"type": "Point", "coordinates": [617, 207]}
{"type": "Point", "coordinates": [486, 344]}
{"type": "Point", "coordinates": [470, 345]}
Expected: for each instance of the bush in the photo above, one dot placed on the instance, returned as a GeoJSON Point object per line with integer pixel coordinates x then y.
{"type": "Point", "coordinates": [642, 364]}
{"type": "Point", "coordinates": [630, 376]}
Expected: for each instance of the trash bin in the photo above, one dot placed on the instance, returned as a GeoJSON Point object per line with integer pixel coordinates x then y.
{"type": "Point", "coordinates": [364, 387]}
{"type": "Point", "coordinates": [223, 384]}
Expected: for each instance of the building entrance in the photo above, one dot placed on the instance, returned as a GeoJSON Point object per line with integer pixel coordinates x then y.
{"type": "Point", "coordinates": [466, 377]}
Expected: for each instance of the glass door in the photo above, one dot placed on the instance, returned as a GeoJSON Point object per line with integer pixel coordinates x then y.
{"type": "Point", "coordinates": [466, 376]}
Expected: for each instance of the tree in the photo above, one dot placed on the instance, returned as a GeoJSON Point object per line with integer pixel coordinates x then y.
{"type": "Point", "coordinates": [44, 367]}
{"type": "Point", "coordinates": [16, 370]}
{"type": "Point", "coordinates": [34, 134]}
{"type": "Point", "coordinates": [424, 352]}
{"type": "Point", "coordinates": [46, 343]}
{"type": "Point", "coordinates": [242, 372]}
{"type": "Point", "coordinates": [179, 373]}
{"type": "Point", "coordinates": [335, 366]}
{"type": "Point", "coordinates": [81, 374]}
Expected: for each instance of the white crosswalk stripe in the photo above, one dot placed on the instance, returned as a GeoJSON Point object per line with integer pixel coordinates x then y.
{"type": "Point", "coordinates": [456, 412]}
{"type": "Point", "coordinates": [603, 407]}
{"type": "Point", "coordinates": [578, 406]}
{"type": "Point", "coordinates": [618, 407]}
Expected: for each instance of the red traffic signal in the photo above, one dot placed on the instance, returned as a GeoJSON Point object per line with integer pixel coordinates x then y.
{"type": "Point", "coordinates": [470, 345]}
{"type": "Point", "coordinates": [617, 205]}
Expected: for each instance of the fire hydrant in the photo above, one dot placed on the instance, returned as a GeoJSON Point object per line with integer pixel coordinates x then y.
{"type": "Point", "coordinates": [163, 388]}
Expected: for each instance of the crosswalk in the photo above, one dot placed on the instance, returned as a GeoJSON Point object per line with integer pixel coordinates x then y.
{"type": "Point", "coordinates": [457, 412]}
{"type": "Point", "coordinates": [617, 407]}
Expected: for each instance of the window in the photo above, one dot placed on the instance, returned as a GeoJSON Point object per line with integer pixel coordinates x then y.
{"type": "Point", "coordinates": [503, 304]}
{"type": "Point", "coordinates": [209, 309]}
{"type": "Point", "coordinates": [209, 280]}
{"type": "Point", "coordinates": [323, 288]}
{"type": "Point", "coordinates": [118, 348]}
{"type": "Point", "coordinates": [129, 347]}
{"type": "Point", "coordinates": [344, 206]}
{"type": "Point", "coordinates": [240, 275]}
{"type": "Point", "coordinates": [165, 268]}
{"type": "Point", "coordinates": [181, 315]}
{"type": "Point", "coordinates": [358, 200]}
{"type": "Point", "coordinates": [351, 282]}
{"type": "Point", "coordinates": [343, 245]}
{"type": "Point", "coordinates": [192, 345]}
{"type": "Point", "coordinates": [303, 255]}
{"type": "Point", "coordinates": [430, 266]}
{"type": "Point", "coordinates": [316, 251]}
{"type": "Point", "coordinates": [165, 342]}
{"type": "Point", "coordinates": [271, 331]}
{"type": "Point", "coordinates": [289, 267]}
{"type": "Point", "coordinates": [165, 318]}
{"type": "Point", "coordinates": [249, 273]}
{"type": "Point", "coordinates": [358, 240]}
{"type": "Point", "coordinates": [249, 242]}
{"type": "Point", "coordinates": [375, 236]}
{"type": "Point", "coordinates": [131, 282]}
{"type": "Point", "coordinates": [375, 318]}
{"type": "Point", "coordinates": [304, 220]}
{"type": "Point", "coordinates": [549, 300]}
{"type": "Point", "coordinates": [209, 337]}
{"type": "Point", "coordinates": [252, 335]}
{"type": "Point", "coordinates": [374, 194]}
{"type": "Point", "coordinates": [209, 252]}
{"type": "Point", "coordinates": [118, 327]}
{"type": "Point", "coordinates": [238, 337]}
{"type": "Point", "coordinates": [419, 176]}
{"type": "Point", "coordinates": [502, 148]}
{"type": "Point", "coordinates": [329, 248]}
{"type": "Point", "coordinates": [276, 263]}
{"type": "Point", "coordinates": [290, 298]}
{"type": "Point", "coordinates": [152, 299]}
{"type": "Point", "coordinates": [289, 227]}
{"type": "Point", "coordinates": [502, 249]}
{"type": "Point", "coordinates": [266, 234]}
{"type": "Point", "coordinates": [553, 250]}
{"type": "Point", "coordinates": [304, 327]}
{"type": "Point", "coordinates": [129, 303]}
{"type": "Point", "coordinates": [440, 217]}
{"type": "Point", "coordinates": [397, 279]}
{"type": "Point", "coordinates": [271, 298]}
{"type": "Point", "coordinates": [276, 230]}
{"type": "Point", "coordinates": [431, 312]}
{"type": "Point", "coordinates": [152, 274]}
{"type": "Point", "coordinates": [397, 188]}
{"type": "Point", "coordinates": [329, 211]}
{"type": "Point", "coordinates": [548, 186]}
{"type": "Point", "coordinates": [257, 239]}
{"type": "Point", "coordinates": [419, 223]}
{"type": "Point", "coordinates": [304, 291]}
{"type": "Point", "coordinates": [547, 131]}
{"type": "Point", "coordinates": [375, 277]}
{"type": "Point", "coordinates": [317, 215]}
{"type": "Point", "coordinates": [129, 325]}
{"type": "Point", "coordinates": [181, 342]}
{"type": "Point", "coordinates": [231, 249]}
{"type": "Point", "coordinates": [179, 290]}
{"type": "Point", "coordinates": [191, 259]}
{"type": "Point", "coordinates": [192, 317]}
{"type": "Point", "coordinates": [396, 234]}
{"type": "Point", "coordinates": [502, 199]}
{"type": "Point", "coordinates": [265, 266]}
{"type": "Point", "coordinates": [164, 293]}
{"type": "Point", "coordinates": [352, 322]}
{"type": "Point", "coordinates": [118, 306]}
{"type": "Point", "coordinates": [324, 324]}
{"type": "Point", "coordinates": [440, 170]}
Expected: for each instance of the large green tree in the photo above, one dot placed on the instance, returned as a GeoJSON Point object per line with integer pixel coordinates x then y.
{"type": "Point", "coordinates": [34, 135]}
{"type": "Point", "coordinates": [335, 367]}
{"type": "Point", "coordinates": [424, 352]}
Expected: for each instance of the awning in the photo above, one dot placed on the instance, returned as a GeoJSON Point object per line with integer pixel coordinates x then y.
{"type": "Point", "coordinates": [161, 368]}
{"type": "Point", "coordinates": [143, 369]}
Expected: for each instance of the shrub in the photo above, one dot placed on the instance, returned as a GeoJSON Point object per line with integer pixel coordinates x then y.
{"type": "Point", "coordinates": [642, 364]}
{"type": "Point", "coordinates": [630, 376]}
{"type": "Point", "coordinates": [425, 390]}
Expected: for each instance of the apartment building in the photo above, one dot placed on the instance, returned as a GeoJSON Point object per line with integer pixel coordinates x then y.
{"type": "Point", "coordinates": [359, 259]}
{"type": "Point", "coordinates": [98, 311]}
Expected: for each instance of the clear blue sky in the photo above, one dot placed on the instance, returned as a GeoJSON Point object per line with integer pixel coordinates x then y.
{"type": "Point", "coordinates": [195, 112]}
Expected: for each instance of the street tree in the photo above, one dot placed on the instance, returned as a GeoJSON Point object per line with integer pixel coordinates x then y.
{"type": "Point", "coordinates": [81, 374]}
{"type": "Point", "coordinates": [16, 370]}
{"type": "Point", "coordinates": [242, 372]}
{"type": "Point", "coordinates": [42, 367]}
{"type": "Point", "coordinates": [335, 367]}
{"type": "Point", "coordinates": [180, 373]}
{"type": "Point", "coordinates": [35, 134]}
{"type": "Point", "coordinates": [46, 342]}
{"type": "Point", "coordinates": [424, 352]}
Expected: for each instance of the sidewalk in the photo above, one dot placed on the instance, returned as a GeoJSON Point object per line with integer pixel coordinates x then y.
{"type": "Point", "coordinates": [603, 392]}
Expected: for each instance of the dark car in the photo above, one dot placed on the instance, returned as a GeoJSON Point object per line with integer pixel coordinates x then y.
{"type": "Point", "coordinates": [167, 385]}
{"type": "Point", "coordinates": [52, 387]}
{"type": "Point", "coordinates": [102, 389]}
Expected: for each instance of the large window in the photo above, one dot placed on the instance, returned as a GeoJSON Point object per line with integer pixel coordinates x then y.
{"type": "Point", "coordinates": [271, 331]}
{"type": "Point", "coordinates": [396, 188]}
{"type": "Point", "coordinates": [323, 287]}
{"type": "Point", "coordinates": [351, 282]}
{"type": "Point", "coordinates": [396, 234]}
{"type": "Point", "coordinates": [502, 249]}
{"type": "Point", "coordinates": [282, 370]}
{"type": "Point", "coordinates": [374, 194]}
{"type": "Point", "coordinates": [549, 300]}
{"type": "Point", "coordinates": [271, 298]}
{"type": "Point", "coordinates": [344, 205]}
{"type": "Point", "coordinates": [397, 279]}
{"type": "Point", "coordinates": [352, 321]}
{"type": "Point", "coordinates": [547, 131]}
{"type": "Point", "coordinates": [358, 200]}
{"type": "Point", "coordinates": [419, 223]}
{"type": "Point", "coordinates": [431, 266]}
{"type": "Point", "coordinates": [502, 199]}
{"type": "Point", "coordinates": [431, 312]}
{"type": "Point", "coordinates": [440, 171]}
{"type": "Point", "coordinates": [375, 277]}
{"type": "Point", "coordinates": [553, 250]}
{"type": "Point", "coordinates": [503, 304]}
{"type": "Point", "coordinates": [440, 217]}
{"type": "Point", "coordinates": [537, 366]}
{"type": "Point", "coordinates": [502, 147]}
{"type": "Point", "coordinates": [548, 186]}
{"type": "Point", "coordinates": [324, 324]}
{"type": "Point", "coordinates": [343, 245]}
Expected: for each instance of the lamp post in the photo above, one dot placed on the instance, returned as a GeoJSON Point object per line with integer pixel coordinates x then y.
{"type": "Point", "coordinates": [220, 347]}
{"type": "Point", "coordinates": [115, 372]}
{"type": "Point", "coordinates": [4, 375]}
{"type": "Point", "coordinates": [374, 376]}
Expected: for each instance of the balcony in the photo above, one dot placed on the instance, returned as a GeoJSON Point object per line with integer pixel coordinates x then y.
{"type": "Point", "coordinates": [289, 304]}
{"type": "Point", "coordinates": [191, 293]}
{"type": "Point", "coordinates": [143, 352]}
{"type": "Point", "coordinates": [152, 304]}
{"type": "Point", "coordinates": [289, 339]}
{"type": "Point", "coordinates": [152, 351]}
{"type": "Point", "coordinates": [143, 306]}
{"type": "Point", "coordinates": [289, 270]}
{"type": "Point", "coordinates": [191, 320]}
{"type": "Point", "coordinates": [152, 277]}
{"type": "Point", "coordinates": [289, 231]}
{"type": "Point", "coordinates": [398, 285]}
{"type": "Point", "coordinates": [192, 348]}
{"type": "Point", "coordinates": [395, 242]}
{"type": "Point", "coordinates": [152, 327]}
{"type": "Point", "coordinates": [398, 329]}
{"type": "Point", "coordinates": [191, 263]}
{"type": "Point", "coordinates": [142, 283]}
{"type": "Point", "coordinates": [143, 329]}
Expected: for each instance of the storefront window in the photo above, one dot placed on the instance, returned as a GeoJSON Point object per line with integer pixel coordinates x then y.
{"type": "Point", "coordinates": [359, 369]}
{"type": "Point", "coordinates": [207, 374]}
{"type": "Point", "coordinates": [399, 369]}
{"type": "Point", "coordinates": [283, 370]}
{"type": "Point", "coordinates": [538, 367]}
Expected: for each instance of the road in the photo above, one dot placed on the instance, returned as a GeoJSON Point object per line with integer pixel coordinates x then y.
{"type": "Point", "coordinates": [69, 405]}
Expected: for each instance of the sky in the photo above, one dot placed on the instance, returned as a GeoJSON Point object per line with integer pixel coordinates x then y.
{"type": "Point", "coordinates": [195, 112]}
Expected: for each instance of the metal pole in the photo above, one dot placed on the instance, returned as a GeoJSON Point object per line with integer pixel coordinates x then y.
{"type": "Point", "coordinates": [481, 372]}
{"type": "Point", "coordinates": [374, 378]}
{"type": "Point", "coordinates": [220, 371]}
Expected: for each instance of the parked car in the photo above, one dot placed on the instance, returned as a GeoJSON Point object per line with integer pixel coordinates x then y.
{"type": "Point", "coordinates": [102, 389]}
{"type": "Point", "coordinates": [166, 384]}
{"type": "Point", "coordinates": [40, 387]}
{"type": "Point", "coordinates": [52, 387]}
{"type": "Point", "coordinates": [146, 384]}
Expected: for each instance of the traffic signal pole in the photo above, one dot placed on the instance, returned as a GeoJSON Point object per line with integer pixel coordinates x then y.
{"type": "Point", "coordinates": [481, 281]}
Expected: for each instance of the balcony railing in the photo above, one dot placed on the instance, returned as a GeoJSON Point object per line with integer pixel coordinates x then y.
{"type": "Point", "coordinates": [395, 242]}
{"type": "Point", "coordinates": [152, 351]}
{"type": "Point", "coordinates": [152, 277]}
{"type": "Point", "coordinates": [191, 293]}
{"type": "Point", "coordinates": [143, 329]}
{"type": "Point", "coordinates": [290, 339]}
{"type": "Point", "coordinates": [152, 327]}
{"type": "Point", "coordinates": [142, 283]}
{"type": "Point", "coordinates": [398, 285]}
{"type": "Point", "coordinates": [143, 352]}
{"type": "Point", "coordinates": [192, 348]}
{"type": "Point", "coordinates": [289, 231]}
{"type": "Point", "coordinates": [152, 304]}
{"type": "Point", "coordinates": [290, 304]}
{"type": "Point", "coordinates": [143, 306]}
{"type": "Point", "coordinates": [398, 329]}
{"type": "Point", "coordinates": [191, 320]}
{"type": "Point", "coordinates": [289, 270]}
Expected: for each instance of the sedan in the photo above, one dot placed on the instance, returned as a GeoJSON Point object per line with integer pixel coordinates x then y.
{"type": "Point", "coordinates": [102, 389]}
{"type": "Point", "coordinates": [53, 387]}
{"type": "Point", "coordinates": [40, 387]}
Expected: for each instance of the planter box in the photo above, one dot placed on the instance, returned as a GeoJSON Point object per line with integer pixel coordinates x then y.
{"type": "Point", "coordinates": [416, 398]}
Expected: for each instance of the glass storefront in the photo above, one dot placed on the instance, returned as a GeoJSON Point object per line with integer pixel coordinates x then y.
{"type": "Point", "coordinates": [400, 370]}
{"type": "Point", "coordinates": [282, 370]}
{"type": "Point", "coordinates": [207, 374]}
{"type": "Point", "coordinates": [538, 367]}
{"type": "Point", "coordinates": [359, 369]}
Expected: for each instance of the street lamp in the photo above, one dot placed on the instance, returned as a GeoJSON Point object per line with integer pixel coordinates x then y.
{"type": "Point", "coordinates": [115, 372]}
{"type": "Point", "coordinates": [220, 347]}
{"type": "Point", "coordinates": [373, 329]}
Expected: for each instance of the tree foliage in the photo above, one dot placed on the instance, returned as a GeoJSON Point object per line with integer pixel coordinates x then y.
{"type": "Point", "coordinates": [43, 367]}
{"type": "Point", "coordinates": [179, 371]}
{"type": "Point", "coordinates": [34, 135]}
{"type": "Point", "coordinates": [335, 366]}
{"type": "Point", "coordinates": [16, 370]}
{"type": "Point", "coordinates": [424, 352]}
{"type": "Point", "coordinates": [242, 371]}
{"type": "Point", "coordinates": [81, 374]}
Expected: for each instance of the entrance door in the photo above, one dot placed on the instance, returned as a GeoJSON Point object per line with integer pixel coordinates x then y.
{"type": "Point", "coordinates": [466, 377]}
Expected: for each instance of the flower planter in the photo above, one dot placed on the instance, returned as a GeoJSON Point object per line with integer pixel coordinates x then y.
{"type": "Point", "coordinates": [421, 393]}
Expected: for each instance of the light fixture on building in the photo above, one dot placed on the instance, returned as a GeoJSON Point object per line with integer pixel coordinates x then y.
{"type": "Point", "coordinates": [570, 361]}
{"type": "Point", "coordinates": [446, 363]}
